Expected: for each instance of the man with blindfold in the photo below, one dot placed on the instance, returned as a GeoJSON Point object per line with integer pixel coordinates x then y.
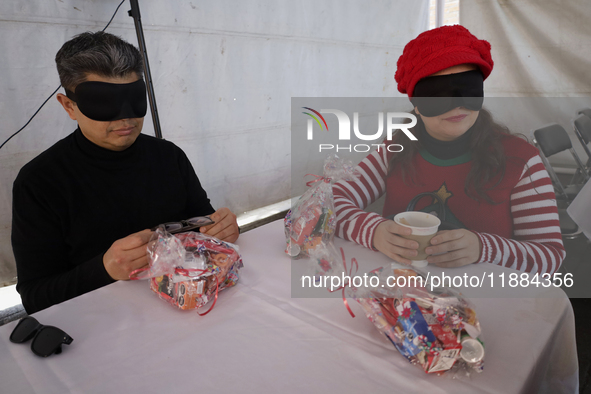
{"type": "Point", "coordinates": [82, 209]}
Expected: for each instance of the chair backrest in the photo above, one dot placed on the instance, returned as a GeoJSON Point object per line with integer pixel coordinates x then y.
{"type": "Point", "coordinates": [555, 181]}
{"type": "Point", "coordinates": [585, 111]}
{"type": "Point", "coordinates": [583, 126]}
{"type": "Point", "coordinates": [552, 139]}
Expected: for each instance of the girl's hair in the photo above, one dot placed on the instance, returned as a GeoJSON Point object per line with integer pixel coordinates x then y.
{"type": "Point", "coordinates": [488, 156]}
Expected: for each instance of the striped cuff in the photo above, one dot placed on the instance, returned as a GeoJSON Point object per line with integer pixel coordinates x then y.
{"type": "Point", "coordinates": [486, 251]}
{"type": "Point", "coordinates": [372, 231]}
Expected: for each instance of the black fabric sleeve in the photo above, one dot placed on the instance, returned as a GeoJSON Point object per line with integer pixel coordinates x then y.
{"type": "Point", "coordinates": [45, 276]}
{"type": "Point", "coordinates": [198, 203]}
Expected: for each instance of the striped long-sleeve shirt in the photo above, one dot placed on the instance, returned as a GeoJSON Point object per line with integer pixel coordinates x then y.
{"type": "Point", "coordinates": [521, 230]}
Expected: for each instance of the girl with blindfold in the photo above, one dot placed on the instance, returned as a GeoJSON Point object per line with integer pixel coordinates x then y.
{"type": "Point", "coordinates": [489, 188]}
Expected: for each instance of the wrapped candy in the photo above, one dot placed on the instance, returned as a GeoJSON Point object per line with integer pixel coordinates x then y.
{"type": "Point", "coordinates": [436, 330]}
{"type": "Point", "coordinates": [190, 269]}
{"type": "Point", "coordinates": [312, 221]}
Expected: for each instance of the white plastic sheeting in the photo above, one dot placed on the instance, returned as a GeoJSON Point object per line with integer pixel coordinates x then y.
{"type": "Point", "coordinates": [223, 71]}
{"type": "Point", "coordinates": [541, 48]}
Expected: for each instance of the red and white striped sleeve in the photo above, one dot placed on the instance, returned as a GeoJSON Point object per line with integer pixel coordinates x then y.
{"type": "Point", "coordinates": [352, 197]}
{"type": "Point", "coordinates": [537, 244]}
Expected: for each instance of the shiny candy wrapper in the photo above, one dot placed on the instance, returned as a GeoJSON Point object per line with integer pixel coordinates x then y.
{"type": "Point", "coordinates": [188, 270]}
{"type": "Point", "coordinates": [435, 330]}
{"type": "Point", "coordinates": [312, 222]}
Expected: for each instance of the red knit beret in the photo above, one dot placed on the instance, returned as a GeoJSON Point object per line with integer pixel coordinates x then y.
{"type": "Point", "coordinates": [438, 49]}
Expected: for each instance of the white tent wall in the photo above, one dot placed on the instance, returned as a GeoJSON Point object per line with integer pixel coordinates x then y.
{"type": "Point", "coordinates": [541, 48]}
{"type": "Point", "coordinates": [224, 73]}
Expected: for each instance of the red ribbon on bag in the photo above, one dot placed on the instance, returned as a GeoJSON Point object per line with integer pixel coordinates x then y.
{"type": "Point", "coordinates": [188, 271]}
{"type": "Point", "coordinates": [135, 272]}
{"type": "Point", "coordinates": [318, 178]}
{"type": "Point", "coordinates": [353, 263]}
{"type": "Point", "coordinates": [217, 286]}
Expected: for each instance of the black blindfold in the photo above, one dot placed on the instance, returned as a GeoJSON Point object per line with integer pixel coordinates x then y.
{"type": "Point", "coordinates": [105, 102]}
{"type": "Point", "coordinates": [439, 94]}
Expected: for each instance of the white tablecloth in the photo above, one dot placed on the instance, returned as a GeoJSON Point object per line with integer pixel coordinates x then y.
{"type": "Point", "coordinates": [260, 340]}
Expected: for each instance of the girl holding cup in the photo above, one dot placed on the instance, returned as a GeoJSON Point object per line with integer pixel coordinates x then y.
{"type": "Point", "coordinates": [492, 187]}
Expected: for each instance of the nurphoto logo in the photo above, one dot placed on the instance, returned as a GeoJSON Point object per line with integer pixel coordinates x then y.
{"type": "Point", "coordinates": [345, 130]}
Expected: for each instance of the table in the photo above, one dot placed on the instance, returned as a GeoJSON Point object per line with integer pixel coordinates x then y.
{"type": "Point", "coordinates": [258, 339]}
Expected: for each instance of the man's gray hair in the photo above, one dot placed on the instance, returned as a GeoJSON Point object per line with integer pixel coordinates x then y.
{"type": "Point", "coordinates": [98, 53]}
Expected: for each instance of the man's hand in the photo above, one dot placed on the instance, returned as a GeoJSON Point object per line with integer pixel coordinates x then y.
{"type": "Point", "coordinates": [392, 245]}
{"type": "Point", "coordinates": [463, 247]}
{"type": "Point", "coordinates": [127, 254]}
{"type": "Point", "coordinates": [225, 226]}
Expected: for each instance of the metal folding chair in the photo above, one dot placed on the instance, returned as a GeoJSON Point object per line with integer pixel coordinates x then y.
{"type": "Point", "coordinates": [582, 128]}
{"type": "Point", "coordinates": [584, 111]}
{"type": "Point", "coordinates": [551, 140]}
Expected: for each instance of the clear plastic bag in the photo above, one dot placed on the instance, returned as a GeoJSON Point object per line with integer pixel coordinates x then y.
{"type": "Point", "coordinates": [312, 221]}
{"type": "Point", "coordinates": [435, 330]}
{"type": "Point", "coordinates": [189, 269]}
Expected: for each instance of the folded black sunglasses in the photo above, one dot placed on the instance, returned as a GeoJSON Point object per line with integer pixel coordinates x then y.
{"type": "Point", "coordinates": [186, 225]}
{"type": "Point", "coordinates": [46, 339]}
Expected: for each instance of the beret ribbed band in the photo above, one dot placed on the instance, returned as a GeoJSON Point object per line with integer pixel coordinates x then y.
{"type": "Point", "coordinates": [438, 49]}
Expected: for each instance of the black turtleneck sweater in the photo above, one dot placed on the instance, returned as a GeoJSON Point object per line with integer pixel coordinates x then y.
{"type": "Point", "coordinates": [445, 150]}
{"type": "Point", "coordinates": [75, 199]}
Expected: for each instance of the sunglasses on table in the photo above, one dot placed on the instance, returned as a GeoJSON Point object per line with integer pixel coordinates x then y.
{"type": "Point", "coordinates": [47, 340]}
{"type": "Point", "coordinates": [186, 225]}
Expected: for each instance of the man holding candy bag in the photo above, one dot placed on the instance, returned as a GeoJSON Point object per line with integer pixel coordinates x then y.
{"type": "Point", "coordinates": [76, 204]}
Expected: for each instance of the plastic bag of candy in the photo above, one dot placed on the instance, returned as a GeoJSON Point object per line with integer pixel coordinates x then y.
{"type": "Point", "coordinates": [312, 221]}
{"type": "Point", "coordinates": [436, 330]}
{"type": "Point", "coordinates": [189, 269]}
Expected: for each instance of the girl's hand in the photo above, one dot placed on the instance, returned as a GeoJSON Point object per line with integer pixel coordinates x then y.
{"type": "Point", "coordinates": [463, 247]}
{"type": "Point", "coordinates": [387, 240]}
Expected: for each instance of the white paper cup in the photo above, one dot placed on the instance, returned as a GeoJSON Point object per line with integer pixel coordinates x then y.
{"type": "Point", "coordinates": [424, 226]}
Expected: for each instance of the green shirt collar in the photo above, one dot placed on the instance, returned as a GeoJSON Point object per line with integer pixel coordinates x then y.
{"type": "Point", "coordinates": [466, 157]}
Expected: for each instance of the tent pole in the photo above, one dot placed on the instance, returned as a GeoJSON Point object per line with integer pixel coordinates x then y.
{"type": "Point", "coordinates": [137, 19]}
